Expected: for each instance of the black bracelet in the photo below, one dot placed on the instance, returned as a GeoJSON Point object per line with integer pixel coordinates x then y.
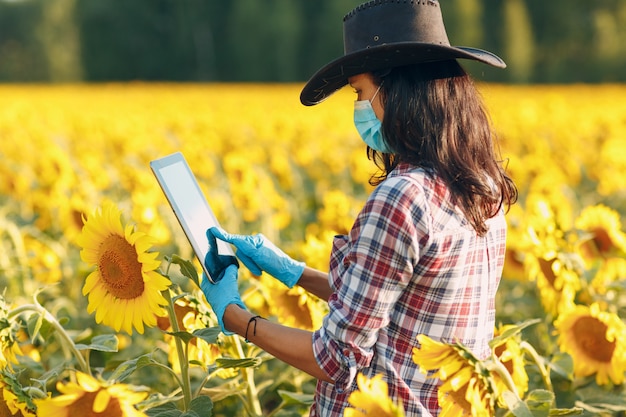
{"type": "Point", "coordinates": [253, 319]}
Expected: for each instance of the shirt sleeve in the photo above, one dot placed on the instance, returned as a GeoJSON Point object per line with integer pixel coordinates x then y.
{"type": "Point", "coordinates": [382, 250]}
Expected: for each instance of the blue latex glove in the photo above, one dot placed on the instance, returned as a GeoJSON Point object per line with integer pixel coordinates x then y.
{"type": "Point", "coordinates": [259, 254]}
{"type": "Point", "coordinates": [223, 293]}
{"type": "Point", "coordinates": [214, 262]}
{"type": "Point", "coordinates": [223, 270]}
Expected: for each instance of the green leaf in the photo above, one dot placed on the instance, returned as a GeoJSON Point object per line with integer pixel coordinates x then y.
{"type": "Point", "coordinates": [187, 268]}
{"type": "Point", "coordinates": [38, 326]}
{"type": "Point", "coordinates": [125, 369]}
{"type": "Point", "coordinates": [102, 343]}
{"type": "Point", "coordinates": [566, 411]}
{"type": "Point", "coordinates": [158, 402]}
{"type": "Point", "coordinates": [209, 334]}
{"type": "Point", "coordinates": [190, 413]}
{"type": "Point", "coordinates": [184, 336]}
{"type": "Point", "coordinates": [598, 400]}
{"type": "Point", "coordinates": [294, 398]}
{"type": "Point", "coordinates": [163, 412]}
{"type": "Point", "coordinates": [202, 405]}
{"type": "Point", "coordinates": [516, 406]}
{"type": "Point", "coordinates": [238, 363]}
{"type": "Point", "coordinates": [540, 401]}
{"type": "Point", "coordinates": [563, 365]}
{"type": "Point", "coordinates": [498, 340]}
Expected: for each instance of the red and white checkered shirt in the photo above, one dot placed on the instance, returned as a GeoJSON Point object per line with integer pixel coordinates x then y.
{"type": "Point", "coordinates": [412, 264]}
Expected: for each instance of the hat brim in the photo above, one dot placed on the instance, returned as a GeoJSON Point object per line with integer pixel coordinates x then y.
{"type": "Point", "coordinates": [335, 74]}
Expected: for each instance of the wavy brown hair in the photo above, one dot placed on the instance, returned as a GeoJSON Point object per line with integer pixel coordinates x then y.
{"type": "Point", "coordinates": [435, 119]}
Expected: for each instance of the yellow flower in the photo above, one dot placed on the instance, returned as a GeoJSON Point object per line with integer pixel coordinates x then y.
{"type": "Point", "coordinates": [465, 391]}
{"type": "Point", "coordinates": [510, 354]}
{"type": "Point", "coordinates": [9, 343]}
{"type": "Point", "coordinates": [89, 397]}
{"type": "Point", "coordinates": [124, 290]}
{"type": "Point", "coordinates": [605, 246]}
{"type": "Point", "coordinates": [433, 355]}
{"type": "Point", "coordinates": [465, 394]}
{"type": "Point", "coordinates": [294, 307]}
{"type": "Point", "coordinates": [596, 340]}
{"type": "Point", "coordinates": [604, 225]}
{"type": "Point", "coordinates": [13, 400]}
{"type": "Point", "coordinates": [556, 281]}
{"type": "Point", "coordinates": [44, 261]}
{"type": "Point", "coordinates": [372, 399]}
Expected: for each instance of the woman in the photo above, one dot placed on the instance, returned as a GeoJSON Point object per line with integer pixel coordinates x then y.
{"type": "Point", "coordinates": [425, 254]}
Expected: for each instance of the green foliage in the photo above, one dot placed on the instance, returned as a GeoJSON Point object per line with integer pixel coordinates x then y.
{"type": "Point", "coordinates": [286, 41]}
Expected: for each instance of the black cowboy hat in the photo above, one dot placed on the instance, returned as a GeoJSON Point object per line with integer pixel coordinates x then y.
{"type": "Point", "coordinates": [383, 34]}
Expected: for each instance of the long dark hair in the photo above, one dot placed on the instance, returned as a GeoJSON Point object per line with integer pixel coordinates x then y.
{"type": "Point", "coordinates": [435, 119]}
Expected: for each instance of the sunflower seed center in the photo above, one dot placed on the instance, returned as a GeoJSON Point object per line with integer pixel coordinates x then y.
{"type": "Point", "coordinates": [119, 268]}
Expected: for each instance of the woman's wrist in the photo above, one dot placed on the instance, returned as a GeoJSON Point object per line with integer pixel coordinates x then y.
{"type": "Point", "coordinates": [235, 319]}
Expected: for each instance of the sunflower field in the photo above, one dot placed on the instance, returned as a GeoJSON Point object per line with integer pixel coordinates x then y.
{"type": "Point", "coordinates": [100, 309]}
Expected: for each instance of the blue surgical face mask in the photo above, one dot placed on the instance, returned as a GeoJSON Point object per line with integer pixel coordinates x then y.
{"type": "Point", "coordinates": [368, 125]}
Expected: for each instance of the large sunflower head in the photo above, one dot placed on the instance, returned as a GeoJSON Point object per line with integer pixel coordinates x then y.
{"type": "Point", "coordinates": [125, 288]}
{"type": "Point", "coordinates": [466, 390]}
{"type": "Point", "coordinates": [596, 341]}
{"type": "Point", "coordinates": [89, 397]}
{"type": "Point", "coordinates": [372, 399]}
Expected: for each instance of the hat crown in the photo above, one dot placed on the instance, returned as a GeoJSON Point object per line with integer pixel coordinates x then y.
{"type": "Point", "coordinates": [384, 22]}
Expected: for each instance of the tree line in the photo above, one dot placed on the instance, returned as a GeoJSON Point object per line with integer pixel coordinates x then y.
{"type": "Point", "coordinates": [542, 41]}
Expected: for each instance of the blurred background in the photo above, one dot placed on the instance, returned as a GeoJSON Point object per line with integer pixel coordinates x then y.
{"type": "Point", "coordinates": [555, 41]}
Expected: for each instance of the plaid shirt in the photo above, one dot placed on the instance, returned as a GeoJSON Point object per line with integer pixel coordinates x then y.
{"type": "Point", "coordinates": [412, 264]}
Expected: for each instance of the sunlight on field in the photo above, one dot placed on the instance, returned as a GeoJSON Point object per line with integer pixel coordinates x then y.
{"type": "Point", "coordinates": [299, 175]}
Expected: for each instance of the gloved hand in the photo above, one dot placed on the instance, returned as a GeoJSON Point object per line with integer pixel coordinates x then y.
{"type": "Point", "coordinates": [259, 254]}
{"type": "Point", "coordinates": [214, 262]}
{"type": "Point", "coordinates": [224, 290]}
{"type": "Point", "coordinates": [223, 293]}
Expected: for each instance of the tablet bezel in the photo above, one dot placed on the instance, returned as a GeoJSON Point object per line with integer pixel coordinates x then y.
{"type": "Point", "coordinates": [171, 187]}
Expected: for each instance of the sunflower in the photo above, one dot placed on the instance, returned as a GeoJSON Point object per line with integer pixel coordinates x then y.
{"type": "Point", "coordinates": [605, 229]}
{"type": "Point", "coordinates": [596, 341]}
{"type": "Point", "coordinates": [372, 399]}
{"type": "Point", "coordinates": [517, 244]}
{"type": "Point", "coordinates": [604, 247]}
{"type": "Point", "coordinates": [9, 340]}
{"type": "Point", "coordinates": [510, 354]}
{"type": "Point", "coordinates": [557, 281]}
{"type": "Point", "coordinates": [13, 400]}
{"type": "Point", "coordinates": [125, 289]}
{"type": "Point", "coordinates": [89, 397]}
{"type": "Point", "coordinates": [465, 391]}
{"type": "Point", "coordinates": [295, 306]}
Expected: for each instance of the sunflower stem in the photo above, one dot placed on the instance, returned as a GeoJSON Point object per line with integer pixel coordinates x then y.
{"type": "Point", "coordinates": [253, 394]}
{"type": "Point", "coordinates": [545, 373]}
{"type": "Point", "coordinates": [501, 370]}
{"type": "Point", "coordinates": [180, 350]}
{"type": "Point", "coordinates": [67, 343]}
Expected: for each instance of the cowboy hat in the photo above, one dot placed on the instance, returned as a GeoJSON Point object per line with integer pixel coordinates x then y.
{"type": "Point", "coordinates": [383, 34]}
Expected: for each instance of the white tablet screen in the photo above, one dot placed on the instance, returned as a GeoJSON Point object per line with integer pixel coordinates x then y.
{"type": "Point", "coordinates": [189, 204]}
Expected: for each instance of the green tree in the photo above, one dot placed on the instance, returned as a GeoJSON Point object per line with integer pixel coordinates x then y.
{"type": "Point", "coordinates": [60, 37]}
{"type": "Point", "coordinates": [519, 42]}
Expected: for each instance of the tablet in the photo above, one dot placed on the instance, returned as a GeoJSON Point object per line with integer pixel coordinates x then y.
{"type": "Point", "coordinates": [188, 203]}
